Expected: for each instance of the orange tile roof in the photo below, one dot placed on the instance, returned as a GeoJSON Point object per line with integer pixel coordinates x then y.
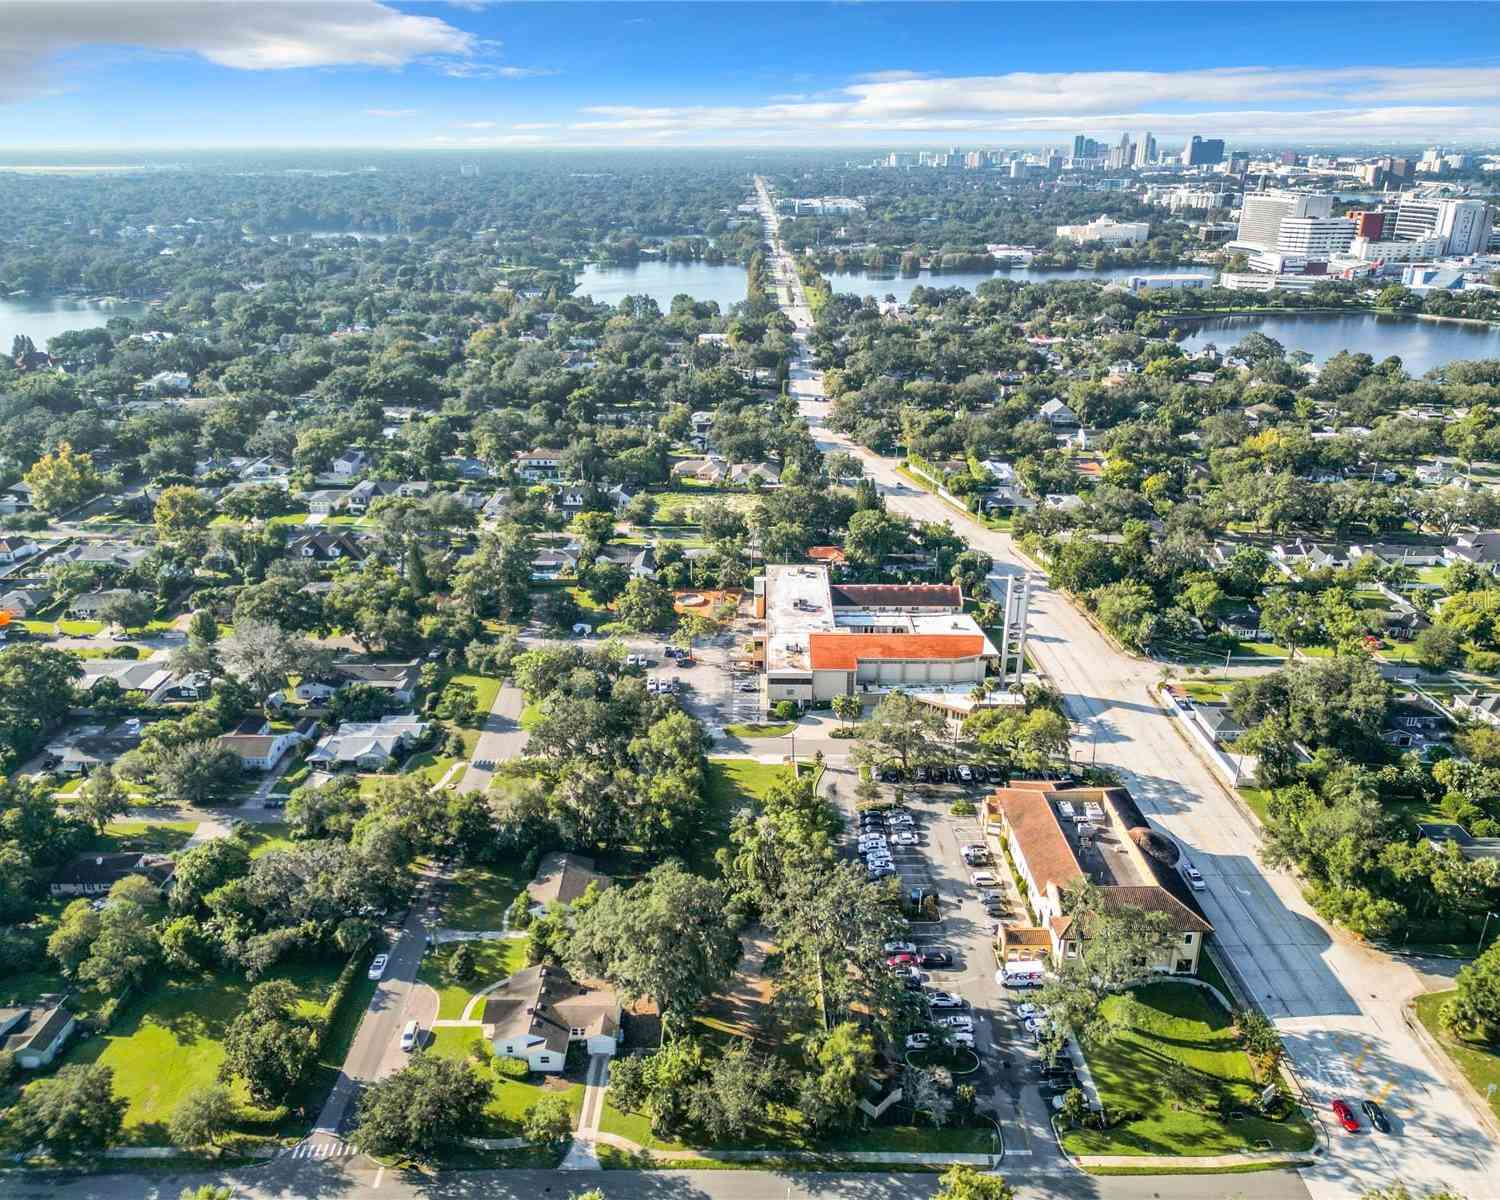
{"type": "Point", "coordinates": [828, 554]}
{"type": "Point", "coordinates": [1039, 838]}
{"type": "Point", "coordinates": [844, 651]}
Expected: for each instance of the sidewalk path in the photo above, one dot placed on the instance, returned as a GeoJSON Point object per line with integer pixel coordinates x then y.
{"type": "Point", "coordinates": [891, 1157]}
{"type": "Point", "coordinates": [582, 1155]}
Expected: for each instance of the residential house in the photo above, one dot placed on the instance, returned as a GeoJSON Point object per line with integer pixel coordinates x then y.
{"type": "Point", "coordinates": [712, 469]}
{"type": "Point", "coordinates": [178, 382]}
{"type": "Point", "coordinates": [148, 676]}
{"type": "Point", "coordinates": [364, 493]}
{"type": "Point", "coordinates": [91, 606]}
{"type": "Point", "coordinates": [15, 547]}
{"type": "Point", "coordinates": [26, 600]}
{"type": "Point", "coordinates": [1063, 501]}
{"type": "Point", "coordinates": [1310, 555]}
{"type": "Point", "coordinates": [260, 751]}
{"type": "Point", "coordinates": [326, 501]}
{"type": "Point", "coordinates": [1398, 554]}
{"type": "Point", "coordinates": [95, 874]}
{"type": "Point", "coordinates": [1411, 725]}
{"type": "Point", "coordinates": [1241, 621]}
{"type": "Point", "coordinates": [1058, 835]}
{"type": "Point", "coordinates": [538, 1012]}
{"type": "Point", "coordinates": [1433, 474]}
{"type": "Point", "coordinates": [638, 561]}
{"type": "Point", "coordinates": [467, 468]}
{"type": "Point", "coordinates": [1481, 707]}
{"type": "Point", "coordinates": [122, 555]}
{"type": "Point", "coordinates": [1481, 549]}
{"type": "Point", "coordinates": [553, 563]}
{"type": "Point", "coordinates": [326, 545]}
{"type": "Point", "coordinates": [193, 685]}
{"type": "Point", "coordinates": [754, 474]}
{"type": "Point", "coordinates": [401, 680]}
{"type": "Point", "coordinates": [562, 879]}
{"type": "Point", "coordinates": [351, 462]}
{"type": "Point", "coordinates": [540, 464]}
{"type": "Point", "coordinates": [369, 745]}
{"type": "Point", "coordinates": [1218, 722]}
{"type": "Point", "coordinates": [1058, 415]}
{"type": "Point", "coordinates": [35, 1033]}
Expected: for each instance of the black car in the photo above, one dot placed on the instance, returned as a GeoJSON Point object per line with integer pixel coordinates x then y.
{"type": "Point", "coordinates": [934, 958]}
{"type": "Point", "coordinates": [1377, 1116]}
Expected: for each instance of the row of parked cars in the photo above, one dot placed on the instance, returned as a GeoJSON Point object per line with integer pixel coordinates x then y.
{"type": "Point", "coordinates": [964, 773]}
{"type": "Point", "coordinates": [879, 830]}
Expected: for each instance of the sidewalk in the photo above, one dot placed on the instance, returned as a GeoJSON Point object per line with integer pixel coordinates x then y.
{"type": "Point", "coordinates": [582, 1155]}
{"type": "Point", "coordinates": [890, 1157]}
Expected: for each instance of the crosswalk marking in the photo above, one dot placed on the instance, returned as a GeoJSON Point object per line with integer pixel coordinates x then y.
{"type": "Point", "coordinates": [321, 1150]}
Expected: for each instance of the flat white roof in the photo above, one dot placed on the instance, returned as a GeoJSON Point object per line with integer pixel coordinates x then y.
{"type": "Point", "coordinates": [798, 603]}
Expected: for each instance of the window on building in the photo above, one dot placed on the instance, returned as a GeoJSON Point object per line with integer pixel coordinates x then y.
{"type": "Point", "coordinates": [1187, 939]}
{"type": "Point", "coordinates": [578, 1033]}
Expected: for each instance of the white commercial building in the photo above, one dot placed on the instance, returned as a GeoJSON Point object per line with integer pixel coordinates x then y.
{"type": "Point", "coordinates": [1108, 230]}
{"type": "Point", "coordinates": [824, 640]}
{"type": "Point", "coordinates": [1463, 225]}
{"type": "Point", "coordinates": [1262, 214]}
{"type": "Point", "coordinates": [1316, 238]}
{"type": "Point", "coordinates": [1181, 282]}
{"type": "Point", "coordinates": [1421, 250]}
{"type": "Point", "coordinates": [1248, 281]}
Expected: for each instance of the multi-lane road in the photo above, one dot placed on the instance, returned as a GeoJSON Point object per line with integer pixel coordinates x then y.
{"type": "Point", "coordinates": [1338, 1005]}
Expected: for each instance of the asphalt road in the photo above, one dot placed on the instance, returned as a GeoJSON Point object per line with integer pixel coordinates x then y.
{"type": "Point", "coordinates": [1337, 1004]}
{"type": "Point", "coordinates": [357, 1180]}
{"type": "Point", "coordinates": [500, 738]}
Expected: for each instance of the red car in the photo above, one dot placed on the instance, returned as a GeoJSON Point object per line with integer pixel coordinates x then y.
{"type": "Point", "coordinates": [901, 960]}
{"type": "Point", "coordinates": [1345, 1114]}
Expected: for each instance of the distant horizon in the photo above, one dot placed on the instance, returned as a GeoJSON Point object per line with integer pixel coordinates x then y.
{"type": "Point", "coordinates": [152, 75]}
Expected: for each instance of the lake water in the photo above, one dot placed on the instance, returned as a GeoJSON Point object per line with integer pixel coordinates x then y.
{"type": "Point", "coordinates": [41, 319]}
{"type": "Point", "coordinates": [861, 284]}
{"type": "Point", "coordinates": [1420, 345]}
{"type": "Point", "coordinates": [722, 282]}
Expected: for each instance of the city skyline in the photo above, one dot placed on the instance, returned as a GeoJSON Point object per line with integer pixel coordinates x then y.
{"type": "Point", "coordinates": [142, 74]}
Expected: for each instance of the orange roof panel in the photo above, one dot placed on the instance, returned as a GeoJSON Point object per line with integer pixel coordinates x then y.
{"type": "Point", "coordinates": [845, 651]}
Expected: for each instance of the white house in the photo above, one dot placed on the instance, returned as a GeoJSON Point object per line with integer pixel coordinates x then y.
{"type": "Point", "coordinates": [350, 462]}
{"type": "Point", "coordinates": [537, 1013]}
{"type": "Point", "coordinates": [1058, 415]}
{"type": "Point", "coordinates": [539, 464]}
{"type": "Point", "coordinates": [260, 752]}
{"type": "Point", "coordinates": [369, 745]}
{"type": "Point", "coordinates": [326, 501]}
{"type": "Point", "coordinates": [35, 1033]}
{"type": "Point", "coordinates": [13, 548]}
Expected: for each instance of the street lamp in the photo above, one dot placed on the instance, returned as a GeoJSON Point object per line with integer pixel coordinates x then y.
{"type": "Point", "coordinates": [1484, 929]}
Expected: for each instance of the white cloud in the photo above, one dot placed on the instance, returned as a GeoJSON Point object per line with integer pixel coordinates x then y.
{"type": "Point", "coordinates": [526, 125]}
{"type": "Point", "coordinates": [391, 113]}
{"type": "Point", "coordinates": [267, 35]}
{"type": "Point", "coordinates": [1248, 102]}
{"type": "Point", "coordinates": [475, 125]}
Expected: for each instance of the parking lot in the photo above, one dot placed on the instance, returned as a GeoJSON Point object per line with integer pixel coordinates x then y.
{"type": "Point", "coordinates": [1008, 1079]}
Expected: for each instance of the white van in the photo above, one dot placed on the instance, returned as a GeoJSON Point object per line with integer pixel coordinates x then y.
{"type": "Point", "coordinates": [409, 1036]}
{"type": "Point", "coordinates": [1023, 973]}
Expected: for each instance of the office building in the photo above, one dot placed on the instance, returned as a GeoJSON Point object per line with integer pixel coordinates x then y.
{"type": "Point", "coordinates": [824, 639]}
{"type": "Point", "coordinates": [1315, 238]}
{"type": "Point", "coordinates": [1262, 213]}
{"type": "Point", "coordinates": [1108, 230]}
{"type": "Point", "coordinates": [1373, 250]}
{"type": "Point", "coordinates": [1203, 152]}
{"type": "Point", "coordinates": [1080, 146]}
{"type": "Point", "coordinates": [1145, 151]}
{"type": "Point", "coordinates": [1239, 163]}
{"type": "Point", "coordinates": [1369, 225]}
{"type": "Point", "coordinates": [1464, 225]}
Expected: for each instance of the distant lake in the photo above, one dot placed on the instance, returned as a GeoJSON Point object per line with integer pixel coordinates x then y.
{"type": "Point", "coordinates": [41, 319]}
{"type": "Point", "coordinates": [721, 282]}
{"type": "Point", "coordinates": [861, 283]}
{"type": "Point", "coordinates": [1420, 345]}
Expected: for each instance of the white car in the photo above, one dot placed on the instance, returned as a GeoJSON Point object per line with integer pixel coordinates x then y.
{"type": "Point", "coordinates": [966, 774]}
{"type": "Point", "coordinates": [983, 879]}
{"type": "Point", "coordinates": [1194, 877]}
{"type": "Point", "coordinates": [918, 1041]}
{"type": "Point", "coordinates": [1026, 1010]}
{"type": "Point", "coordinates": [900, 947]}
{"type": "Point", "coordinates": [955, 1022]}
{"type": "Point", "coordinates": [409, 1036]}
{"type": "Point", "coordinates": [378, 964]}
{"type": "Point", "coordinates": [975, 848]}
{"type": "Point", "coordinates": [905, 838]}
{"type": "Point", "coordinates": [944, 1000]}
{"type": "Point", "coordinates": [962, 1037]}
{"type": "Point", "coordinates": [899, 818]}
{"type": "Point", "coordinates": [872, 839]}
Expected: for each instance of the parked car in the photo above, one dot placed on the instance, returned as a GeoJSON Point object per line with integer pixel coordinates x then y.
{"type": "Point", "coordinates": [409, 1034]}
{"type": "Point", "coordinates": [900, 818]}
{"type": "Point", "coordinates": [378, 965]}
{"type": "Point", "coordinates": [1345, 1116]}
{"type": "Point", "coordinates": [749, 686]}
{"type": "Point", "coordinates": [975, 848]}
{"type": "Point", "coordinates": [900, 947]}
{"type": "Point", "coordinates": [984, 879]}
{"type": "Point", "coordinates": [1377, 1116]}
{"type": "Point", "coordinates": [935, 958]}
{"type": "Point", "coordinates": [918, 1041]}
{"type": "Point", "coordinates": [962, 1037]}
{"type": "Point", "coordinates": [955, 1022]}
{"type": "Point", "coordinates": [889, 775]}
{"type": "Point", "coordinates": [966, 774]}
{"type": "Point", "coordinates": [922, 774]}
{"type": "Point", "coordinates": [1027, 1009]}
{"type": "Point", "coordinates": [905, 838]}
{"type": "Point", "coordinates": [1194, 877]}
{"type": "Point", "coordinates": [902, 960]}
{"type": "Point", "coordinates": [944, 1000]}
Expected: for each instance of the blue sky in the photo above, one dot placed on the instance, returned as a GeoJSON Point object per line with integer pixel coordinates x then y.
{"type": "Point", "coordinates": [163, 73]}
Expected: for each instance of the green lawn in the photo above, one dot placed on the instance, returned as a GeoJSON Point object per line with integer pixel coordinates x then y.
{"type": "Point", "coordinates": [165, 1042]}
{"type": "Point", "coordinates": [1479, 1064]}
{"type": "Point", "coordinates": [486, 688]}
{"type": "Point", "coordinates": [731, 784]}
{"type": "Point", "coordinates": [493, 961]}
{"type": "Point", "coordinates": [784, 1129]}
{"type": "Point", "coordinates": [757, 730]}
{"type": "Point", "coordinates": [1257, 799]}
{"type": "Point", "coordinates": [1208, 691]}
{"type": "Point", "coordinates": [512, 1097]}
{"type": "Point", "coordinates": [266, 836]}
{"type": "Point", "coordinates": [1175, 1023]}
{"type": "Point", "coordinates": [531, 715]}
{"type": "Point", "coordinates": [161, 837]}
{"type": "Point", "coordinates": [479, 896]}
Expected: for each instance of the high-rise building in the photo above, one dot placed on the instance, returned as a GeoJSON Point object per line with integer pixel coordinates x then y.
{"type": "Point", "coordinates": [1464, 225]}
{"type": "Point", "coordinates": [1203, 152]}
{"type": "Point", "coordinates": [1288, 158]}
{"type": "Point", "coordinates": [1368, 224]}
{"type": "Point", "coordinates": [1262, 214]}
{"type": "Point", "coordinates": [1145, 150]}
{"type": "Point", "coordinates": [1239, 163]}
{"type": "Point", "coordinates": [1080, 146]}
{"type": "Point", "coordinates": [1315, 238]}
